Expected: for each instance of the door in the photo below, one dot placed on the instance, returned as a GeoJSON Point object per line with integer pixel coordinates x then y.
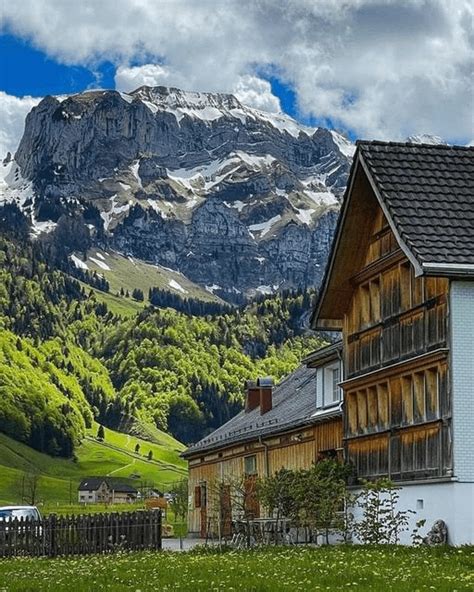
{"type": "Point", "coordinates": [251, 505]}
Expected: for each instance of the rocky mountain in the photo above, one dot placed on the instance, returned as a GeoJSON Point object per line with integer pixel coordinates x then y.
{"type": "Point", "coordinates": [238, 200]}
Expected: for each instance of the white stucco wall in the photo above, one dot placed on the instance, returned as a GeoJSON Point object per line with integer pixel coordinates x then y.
{"type": "Point", "coordinates": [452, 502]}
{"type": "Point", "coordinates": [462, 377]}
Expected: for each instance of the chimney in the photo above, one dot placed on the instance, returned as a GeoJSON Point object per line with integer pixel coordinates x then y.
{"type": "Point", "coordinates": [266, 394]}
{"type": "Point", "coordinates": [252, 400]}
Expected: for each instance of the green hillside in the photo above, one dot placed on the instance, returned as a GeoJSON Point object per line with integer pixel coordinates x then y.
{"type": "Point", "coordinates": [118, 305]}
{"type": "Point", "coordinates": [68, 358]}
{"type": "Point", "coordinates": [115, 457]}
{"type": "Point", "coordinates": [127, 273]}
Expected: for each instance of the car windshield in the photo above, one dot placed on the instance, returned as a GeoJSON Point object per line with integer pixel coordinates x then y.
{"type": "Point", "coordinates": [6, 515]}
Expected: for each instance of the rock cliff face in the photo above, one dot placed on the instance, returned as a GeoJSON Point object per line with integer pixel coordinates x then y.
{"type": "Point", "coordinates": [239, 200]}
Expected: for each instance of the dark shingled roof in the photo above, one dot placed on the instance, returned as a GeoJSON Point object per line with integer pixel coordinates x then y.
{"type": "Point", "coordinates": [294, 405]}
{"type": "Point", "coordinates": [93, 483]}
{"type": "Point", "coordinates": [428, 191]}
{"type": "Point", "coordinates": [120, 486]}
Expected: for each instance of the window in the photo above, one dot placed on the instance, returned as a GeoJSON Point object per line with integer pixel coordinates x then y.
{"type": "Point", "coordinates": [250, 465]}
{"type": "Point", "coordinates": [331, 389]}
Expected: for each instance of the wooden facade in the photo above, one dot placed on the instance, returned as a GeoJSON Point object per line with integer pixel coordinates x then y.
{"type": "Point", "coordinates": [395, 323]}
{"type": "Point", "coordinates": [294, 449]}
{"type": "Point", "coordinates": [396, 389]}
{"type": "Point", "coordinates": [292, 425]}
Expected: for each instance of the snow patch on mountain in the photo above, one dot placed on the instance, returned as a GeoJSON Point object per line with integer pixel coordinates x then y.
{"type": "Point", "coordinates": [305, 215]}
{"type": "Point", "coordinates": [345, 146]}
{"type": "Point", "coordinates": [177, 286]}
{"type": "Point", "coordinates": [79, 262]}
{"type": "Point", "coordinates": [264, 227]}
{"type": "Point", "coordinates": [102, 264]}
{"type": "Point", "coordinates": [111, 215]}
{"type": "Point", "coordinates": [13, 187]}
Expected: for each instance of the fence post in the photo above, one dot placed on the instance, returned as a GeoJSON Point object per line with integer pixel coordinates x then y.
{"type": "Point", "coordinates": [52, 535]}
{"type": "Point", "coordinates": [160, 524]}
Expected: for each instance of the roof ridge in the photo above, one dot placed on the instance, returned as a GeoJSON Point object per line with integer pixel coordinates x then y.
{"type": "Point", "coordinates": [413, 144]}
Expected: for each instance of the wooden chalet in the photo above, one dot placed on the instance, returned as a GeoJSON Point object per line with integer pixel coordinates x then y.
{"type": "Point", "coordinates": [290, 425]}
{"type": "Point", "coordinates": [400, 286]}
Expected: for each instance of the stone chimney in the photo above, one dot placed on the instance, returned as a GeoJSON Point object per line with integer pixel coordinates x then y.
{"type": "Point", "coordinates": [252, 399]}
{"type": "Point", "coordinates": [266, 394]}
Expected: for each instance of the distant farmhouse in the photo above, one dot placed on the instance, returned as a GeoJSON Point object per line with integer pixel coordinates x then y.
{"type": "Point", "coordinates": [290, 425]}
{"type": "Point", "coordinates": [400, 286]}
{"type": "Point", "coordinates": [104, 490]}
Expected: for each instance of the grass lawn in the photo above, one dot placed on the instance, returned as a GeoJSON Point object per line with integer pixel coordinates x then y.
{"type": "Point", "coordinates": [388, 569]}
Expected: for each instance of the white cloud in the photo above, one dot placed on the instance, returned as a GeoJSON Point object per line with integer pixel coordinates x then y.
{"type": "Point", "coordinates": [384, 68]}
{"type": "Point", "coordinates": [128, 79]}
{"type": "Point", "coordinates": [256, 92]}
{"type": "Point", "coordinates": [13, 111]}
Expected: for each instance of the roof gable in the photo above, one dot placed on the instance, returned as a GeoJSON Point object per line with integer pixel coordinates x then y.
{"type": "Point", "coordinates": [427, 195]}
{"type": "Point", "coordinates": [427, 192]}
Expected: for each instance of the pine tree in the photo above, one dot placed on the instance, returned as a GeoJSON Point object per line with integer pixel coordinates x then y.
{"type": "Point", "coordinates": [101, 433]}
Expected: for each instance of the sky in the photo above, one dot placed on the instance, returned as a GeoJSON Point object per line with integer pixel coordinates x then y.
{"type": "Point", "coordinates": [375, 69]}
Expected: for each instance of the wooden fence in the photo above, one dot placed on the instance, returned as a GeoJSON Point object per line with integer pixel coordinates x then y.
{"type": "Point", "coordinates": [81, 535]}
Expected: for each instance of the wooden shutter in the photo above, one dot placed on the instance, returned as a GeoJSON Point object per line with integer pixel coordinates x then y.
{"type": "Point", "coordinates": [197, 496]}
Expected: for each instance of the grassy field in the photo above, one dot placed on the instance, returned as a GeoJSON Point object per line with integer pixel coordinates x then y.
{"type": "Point", "coordinates": [385, 569]}
{"type": "Point", "coordinates": [119, 305]}
{"type": "Point", "coordinates": [129, 273]}
{"type": "Point", "coordinates": [115, 456]}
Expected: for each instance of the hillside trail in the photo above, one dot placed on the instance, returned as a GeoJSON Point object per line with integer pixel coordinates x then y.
{"type": "Point", "coordinates": [122, 468]}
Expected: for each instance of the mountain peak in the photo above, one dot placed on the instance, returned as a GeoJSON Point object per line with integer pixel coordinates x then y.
{"type": "Point", "coordinates": [172, 97]}
{"type": "Point", "coordinates": [228, 195]}
{"type": "Point", "coordinates": [425, 139]}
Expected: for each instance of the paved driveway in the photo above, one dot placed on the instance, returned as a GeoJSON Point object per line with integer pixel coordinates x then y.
{"type": "Point", "coordinates": [184, 545]}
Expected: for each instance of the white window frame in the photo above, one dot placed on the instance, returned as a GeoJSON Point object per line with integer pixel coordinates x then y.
{"type": "Point", "coordinates": [331, 392]}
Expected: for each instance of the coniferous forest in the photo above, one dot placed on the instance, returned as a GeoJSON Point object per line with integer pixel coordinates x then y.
{"type": "Point", "coordinates": [181, 365]}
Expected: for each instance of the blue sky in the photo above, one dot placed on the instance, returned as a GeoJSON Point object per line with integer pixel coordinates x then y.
{"type": "Point", "coordinates": [26, 70]}
{"type": "Point", "coordinates": [382, 70]}
{"type": "Point", "coordinates": [29, 71]}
